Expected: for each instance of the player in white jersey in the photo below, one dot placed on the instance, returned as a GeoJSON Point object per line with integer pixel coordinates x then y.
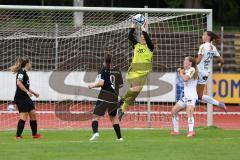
{"type": "Point", "coordinates": [189, 75]}
{"type": "Point", "coordinates": [205, 55]}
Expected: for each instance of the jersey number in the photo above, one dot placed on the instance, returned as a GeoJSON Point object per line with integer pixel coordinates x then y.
{"type": "Point", "coordinates": [112, 80]}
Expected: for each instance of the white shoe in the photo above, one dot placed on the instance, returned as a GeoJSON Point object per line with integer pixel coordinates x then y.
{"type": "Point", "coordinates": [120, 140]}
{"type": "Point", "coordinates": [94, 137]}
{"type": "Point", "coordinates": [223, 106]}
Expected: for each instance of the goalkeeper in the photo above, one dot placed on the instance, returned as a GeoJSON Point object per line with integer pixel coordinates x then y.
{"type": "Point", "coordinates": [140, 67]}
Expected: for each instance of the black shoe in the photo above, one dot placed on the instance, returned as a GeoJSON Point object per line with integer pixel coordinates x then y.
{"type": "Point", "coordinates": [120, 114]}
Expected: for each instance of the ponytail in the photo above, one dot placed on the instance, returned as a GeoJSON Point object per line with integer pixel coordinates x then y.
{"type": "Point", "coordinates": [20, 63]}
{"type": "Point", "coordinates": [213, 37]}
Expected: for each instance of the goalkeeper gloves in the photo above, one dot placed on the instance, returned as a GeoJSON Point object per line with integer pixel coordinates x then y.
{"type": "Point", "coordinates": [143, 26]}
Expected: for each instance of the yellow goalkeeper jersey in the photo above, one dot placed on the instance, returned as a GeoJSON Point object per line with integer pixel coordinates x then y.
{"type": "Point", "coordinates": [142, 59]}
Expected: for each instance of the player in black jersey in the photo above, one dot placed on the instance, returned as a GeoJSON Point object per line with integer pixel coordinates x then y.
{"type": "Point", "coordinates": [110, 80]}
{"type": "Point", "coordinates": [22, 97]}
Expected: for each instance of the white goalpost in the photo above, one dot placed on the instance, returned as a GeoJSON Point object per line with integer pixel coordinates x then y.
{"type": "Point", "coordinates": [67, 45]}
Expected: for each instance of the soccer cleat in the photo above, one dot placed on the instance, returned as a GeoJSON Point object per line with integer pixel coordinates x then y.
{"type": "Point", "coordinates": [19, 137]}
{"type": "Point", "coordinates": [173, 133]}
{"type": "Point", "coordinates": [94, 137]}
{"type": "Point", "coordinates": [223, 106]}
{"type": "Point", "coordinates": [191, 134]}
{"type": "Point", "coordinates": [120, 114]}
{"type": "Point", "coordinates": [37, 136]}
{"type": "Point", "coordinates": [120, 140]}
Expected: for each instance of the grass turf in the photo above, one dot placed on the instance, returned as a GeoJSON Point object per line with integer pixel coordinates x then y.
{"type": "Point", "coordinates": [209, 144]}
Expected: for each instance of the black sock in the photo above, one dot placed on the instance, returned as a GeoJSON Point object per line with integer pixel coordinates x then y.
{"type": "Point", "coordinates": [33, 125]}
{"type": "Point", "coordinates": [20, 127]}
{"type": "Point", "coordinates": [95, 126]}
{"type": "Point", "coordinates": [117, 130]}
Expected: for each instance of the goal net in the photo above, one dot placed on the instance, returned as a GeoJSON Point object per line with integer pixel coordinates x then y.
{"type": "Point", "coordinates": [67, 45]}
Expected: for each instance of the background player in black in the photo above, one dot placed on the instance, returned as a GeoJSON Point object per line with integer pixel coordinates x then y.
{"type": "Point", "coordinates": [110, 80]}
{"type": "Point", "coordinates": [22, 97]}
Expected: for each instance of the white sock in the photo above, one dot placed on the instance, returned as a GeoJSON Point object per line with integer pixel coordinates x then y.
{"type": "Point", "coordinates": [210, 100]}
{"type": "Point", "coordinates": [190, 124]}
{"type": "Point", "coordinates": [175, 122]}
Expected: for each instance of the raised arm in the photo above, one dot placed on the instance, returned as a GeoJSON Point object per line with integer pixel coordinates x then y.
{"type": "Point", "coordinates": [131, 36]}
{"type": "Point", "coordinates": [146, 37]}
{"type": "Point", "coordinates": [148, 40]}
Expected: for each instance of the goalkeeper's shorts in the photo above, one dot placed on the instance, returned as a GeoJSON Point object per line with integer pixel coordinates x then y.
{"type": "Point", "coordinates": [136, 78]}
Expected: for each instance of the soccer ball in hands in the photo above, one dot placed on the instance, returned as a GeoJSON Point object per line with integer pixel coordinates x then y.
{"type": "Point", "coordinates": [139, 19]}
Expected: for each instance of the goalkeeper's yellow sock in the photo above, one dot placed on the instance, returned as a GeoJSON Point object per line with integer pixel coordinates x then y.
{"type": "Point", "coordinates": [124, 106]}
{"type": "Point", "coordinates": [128, 99]}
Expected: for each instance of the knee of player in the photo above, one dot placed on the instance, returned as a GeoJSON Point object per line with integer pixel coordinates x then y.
{"type": "Point", "coordinates": [95, 118]}
{"type": "Point", "coordinates": [190, 109]}
{"type": "Point", "coordinates": [136, 88]}
{"type": "Point", "coordinates": [114, 120]}
{"type": "Point", "coordinates": [32, 113]}
{"type": "Point", "coordinates": [32, 117]}
{"type": "Point", "coordinates": [175, 109]}
{"type": "Point", "coordinates": [174, 112]}
{"type": "Point", "coordinates": [111, 118]}
{"type": "Point", "coordinates": [23, 116]}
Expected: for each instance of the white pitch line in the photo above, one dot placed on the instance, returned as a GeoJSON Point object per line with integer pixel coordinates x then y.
{"type": "Point", "coordinates": [129, 112]}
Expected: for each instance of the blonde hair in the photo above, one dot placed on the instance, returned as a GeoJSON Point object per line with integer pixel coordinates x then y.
{"type": "Point", "coordinates": [20, 63]}
{"type": "Point", "coordinates": [194, 65]}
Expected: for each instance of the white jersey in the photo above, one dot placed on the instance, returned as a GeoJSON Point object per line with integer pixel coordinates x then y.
{"type": "Point", "coordinates": [208, 51]}
{"type": "Point", "coordinates": [190, 86]}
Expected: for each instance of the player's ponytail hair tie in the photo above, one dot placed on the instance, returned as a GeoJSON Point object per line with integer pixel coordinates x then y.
{"type": "Point", "coordinates": [20, 63]}
{"type": "Point", "coordinates": [213, 37]}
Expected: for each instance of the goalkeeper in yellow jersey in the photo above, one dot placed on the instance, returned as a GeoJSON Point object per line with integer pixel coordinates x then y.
{"type": "Point", "coordinates": [140, 67]}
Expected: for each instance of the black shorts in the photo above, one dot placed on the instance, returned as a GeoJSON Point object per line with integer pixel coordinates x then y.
{"type": "Point", "coordinates": [24, 104]}
{"type": "Point", "coordinates": [101, 107]}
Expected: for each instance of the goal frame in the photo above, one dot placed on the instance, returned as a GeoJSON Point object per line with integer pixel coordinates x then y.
{"type": "Point", "coordinates": [208, 13]}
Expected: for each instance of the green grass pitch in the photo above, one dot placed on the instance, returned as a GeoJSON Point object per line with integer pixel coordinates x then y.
{"type": "Point", "coordinates": [149, 144]}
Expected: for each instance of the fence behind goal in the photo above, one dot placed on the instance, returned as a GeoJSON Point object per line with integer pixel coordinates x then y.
{"type": "Point", "coordinates": [67, 46]}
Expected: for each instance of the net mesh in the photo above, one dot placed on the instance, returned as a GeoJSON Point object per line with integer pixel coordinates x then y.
{"type": "Point", "coordinates": [67, 50]}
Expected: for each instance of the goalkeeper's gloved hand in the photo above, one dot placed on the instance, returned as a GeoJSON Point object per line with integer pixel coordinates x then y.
{"type": "Point", "coordinates": [143, 26]}
{"type": "Point", "coordinates": [133, 24]}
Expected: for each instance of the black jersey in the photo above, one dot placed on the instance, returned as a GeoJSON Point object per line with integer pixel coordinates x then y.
{"type": "Point", "coordinates": [112, 80]}
{"type": "Point", "coordinates": [22, 76]}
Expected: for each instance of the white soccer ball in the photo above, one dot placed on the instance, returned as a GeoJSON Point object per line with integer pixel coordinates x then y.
{"type": "Point", "coordinates": [139, 19]}
{"type": "Point", "coordinates": [11, 107]}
